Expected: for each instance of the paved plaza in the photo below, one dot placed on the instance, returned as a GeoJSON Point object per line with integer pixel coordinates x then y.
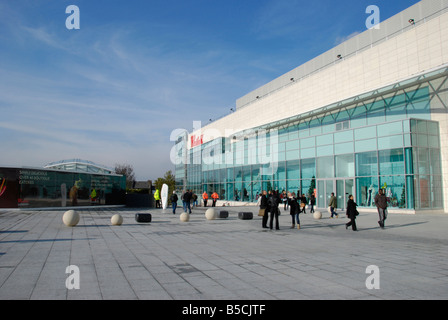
{"type": "Point", "coordinates": [227, 259]}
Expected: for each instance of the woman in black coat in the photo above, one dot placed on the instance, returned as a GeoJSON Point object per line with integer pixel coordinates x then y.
{"type": "Point", "coordinates": [352, 212]}
{"type": "Point", "coordinates": [294, 210]}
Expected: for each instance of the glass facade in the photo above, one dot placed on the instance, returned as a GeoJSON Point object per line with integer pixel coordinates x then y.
{"type": "Point", "coordinates": [383, 139]}
{"type": "Point", "coordinates": [40, 188]}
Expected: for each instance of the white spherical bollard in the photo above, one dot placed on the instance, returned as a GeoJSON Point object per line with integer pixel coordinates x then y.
{"type": "Point", "coordinates": [210, 214]}
{"type": "Point", "coordinates": [184, 217]}
{"type": "Point", "coordinates": [116, 220]}
{"type": "Point", "coordinates": [317, 215]}
{"type": "Point", "coordinates": [71, 218]}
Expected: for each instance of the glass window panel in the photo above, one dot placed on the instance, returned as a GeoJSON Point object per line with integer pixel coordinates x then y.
{"type": "Point", "coordinates": [365, 145]}
{"type": "Point", "coordinates": [413, 125]}
{"type": "Point", "coordinates": [436, 192]}
{"type": "Point", "coordinates": [366, 189]}
{"type": "Point", "coordinates": [315, 127]}
{"type": "Point", "coordinates": [390, 129]}
{"type": "Point", "coordinates": [281, 147]}
{"type": "Point", "coordinates": [365, 133]}
{"type": "Point", "coordinates": [376, 117]}
{"type": "Point", "coordinates": [308, 143]}
{"type": "Point", "coordinates": [435, 163]}
{"type": "Point", "coordinates": [391, 162]}
{"type": "Point", "coordinates": [308, 153]}
{"type": "Point", "coordinates": [256, 173]}
{"type": "Point", "coordinates": [293, 185]}
{"type": "Point", "coordinates": [294, 134]}
{"type": "Point", "coordinates": [433, 128]}
{"type": "Point", "coordinates": [367, 164]}
{"type": "Point", "coordinates": [344, 136]}
{"type": "Point", "coordinates": [307, 187]}
{"type": "Point", "coordinates": [433, 142]}
{"type": "Point", "coordinates": [395, 190]}
{"type": "Point", "coordinates": [407, 140]}
{"type": "Point", "coordinates": [342, 148]}
{"type": "Point", "coordinates": [345, 166]}
{"type": "Point", "coordinates": [291, 155]}
{"type": "Point", "coordinates": [324, 139]}
{"type": "Point", "coordinates": [282, 156]}
{"type": "Point", "coordinates": [424, 192]}
{"type": "Point", "coordinates": [308, 168]}
{"type": "Point", "coordinates": [390, 142]}
{"type": "Point", "coordinates": [406, 126]}
{"type": "Point", "coordinates": [325, 151]}
{"type": "Point", "coordinates": [293, 169]}
{"type": "Point", "coordinates": [303, 130]}
{"type": "Point", "coordinates": [423, 161]}
{"type": "Point", "coordinates": [325, 167]}
{"type": "Point", "coordinates": [422, 127]}
{"type": "Point", "coordinates": [292, 145]}
{"type": "Point", "coordinates": [280, 173]}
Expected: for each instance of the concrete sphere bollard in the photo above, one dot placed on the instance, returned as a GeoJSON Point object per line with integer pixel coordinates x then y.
{"type": "Point", "coordinates": [71, 218]}
{"type": "Point", "coordinates": [210, 214]}
{"type": "Point", "coordinates": [184, 217]}
{"type": "Point", "coordinates": [116, 220]}
{"type": "Point", "coordinates": [317, 215]}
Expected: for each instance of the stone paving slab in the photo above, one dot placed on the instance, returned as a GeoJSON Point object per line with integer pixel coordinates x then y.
{"type": "Point", "coordinates": [227, 259]}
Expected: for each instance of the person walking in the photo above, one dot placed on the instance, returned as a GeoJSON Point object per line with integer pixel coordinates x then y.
{"type": "Point", "coordinates": [194, 197]}
{"type": "Point", "coordinates": [264, 208]}
{"type": "Point", "coordinates": [157, 198]}
{"type": "Point", "coordinates": [274, 201]}
{"type": "Point", "coordinates": [381, 205]}
{"type": "Point", "coordinates": [174, 200]}
{"type": "Point", "coordinates": [215, 198]}
{"type": "Point", "coordinates": [303, 203]}
{"type": "Point", "coordinates": [294, 210]}
{"type": "Point", "coordinates": [205, 198]}
{"type": "Point", "coordinates": [352, 212]}
{"type": "Point", "coordinates": [284, 198]}
{"type": "Point", "coordinates": [333, 204]}
{"type": "Point", "coordinates": [312, 202]}
{"type": "Point", "coordinates": [187, 200]}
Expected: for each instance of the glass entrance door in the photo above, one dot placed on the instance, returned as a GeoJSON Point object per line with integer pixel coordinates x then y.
{"type": "Point", "coordinates": [342, 188]}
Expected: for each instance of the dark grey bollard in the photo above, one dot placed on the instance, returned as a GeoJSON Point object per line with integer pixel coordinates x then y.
{"type": "Point", "coordinates": [143, 217]}
{"type": "Point", "coordinates": [245, 215]}
{"type": "Point", "coordinates": [223, 214]}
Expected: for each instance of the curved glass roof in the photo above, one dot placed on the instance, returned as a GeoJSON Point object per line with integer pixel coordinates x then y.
{"type": "Point", "coordinates": [80, 165]}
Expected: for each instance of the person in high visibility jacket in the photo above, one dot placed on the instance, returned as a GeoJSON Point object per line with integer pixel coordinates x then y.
{"type": "Point", "coordinates": [157, 198]}
{"type": "Point", "coordinates": [215, 197]}
{"type": "Point", "coordinates": [205, 198]}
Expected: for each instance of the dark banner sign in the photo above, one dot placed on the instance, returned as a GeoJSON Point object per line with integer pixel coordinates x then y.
{"type": "Point", "coordinates": [34, 188]}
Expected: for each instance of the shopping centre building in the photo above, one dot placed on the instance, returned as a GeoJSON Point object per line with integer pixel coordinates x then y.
{"type": "Point", "coordinates": [370, 113]}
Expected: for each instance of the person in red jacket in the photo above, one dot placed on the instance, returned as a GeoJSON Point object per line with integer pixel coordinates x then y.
{"type": "Point", "coordinates": [215, 197]}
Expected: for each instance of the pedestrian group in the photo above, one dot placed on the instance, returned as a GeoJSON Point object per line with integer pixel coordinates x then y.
{"type": "Point", "coordinates": [269, 206]}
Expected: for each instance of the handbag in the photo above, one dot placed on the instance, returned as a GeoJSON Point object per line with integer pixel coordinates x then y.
{"type": "Point", "coordinates": [261, 212]}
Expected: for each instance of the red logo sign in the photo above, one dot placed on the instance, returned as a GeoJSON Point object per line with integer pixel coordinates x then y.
{"type": "Point", "coordinates": [196, 140]}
